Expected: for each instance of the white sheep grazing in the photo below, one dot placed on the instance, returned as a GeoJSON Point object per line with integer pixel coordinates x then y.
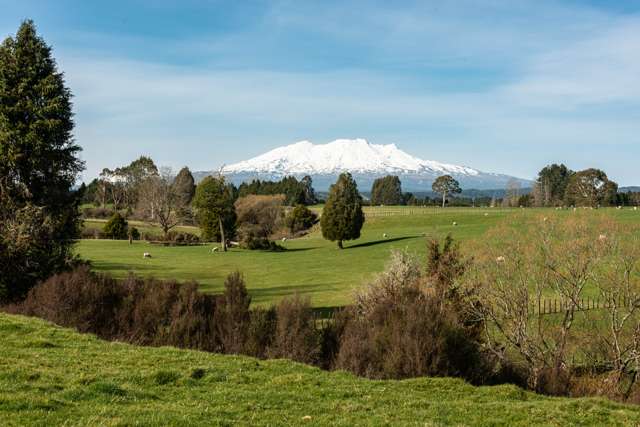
{"type": "Point", "coordinates": [500, 259]}
{"type": "Point", "coordinates": [602, 237]}
{"type": "Point", "coordinates": [455, 223]}
{"type": "Point", "coordinates": [284, 239]}
{"type": "Point", "coordinates": [146, 255]}
{"type": "Point", "coordinates": [384, 235]}
{"type": "Point", "coordinates": [214, 249]}
{"type": "Point", "coordinates": [486, 214]}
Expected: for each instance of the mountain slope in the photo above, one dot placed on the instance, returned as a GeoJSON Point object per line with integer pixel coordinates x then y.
{"type": "Point", "coordinates": [365, 161]}
{"type": "Point", "coordinates": [120, 384]}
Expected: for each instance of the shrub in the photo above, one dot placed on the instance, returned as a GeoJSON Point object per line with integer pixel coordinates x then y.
{"type": "Point", "coordinates": [116, 228]}
{"type": "Point", "coordinates": [300, 218]}
{"type": "Point", "coordinates": [134, 233]}
{"type": "Point", "coordinates": [100, 213]}
{"type": "Point", "coordinates": [296, 336]}
{"type": "Point", "coordinates": [397, 330]}
{"type": "Point", "coordinates": [232, 316]}
{"type": "Point", "coordinates": [181, 238]}
{"type": "Point", "coordinates": [258, 218]}
{"type": "Point", "coordinates": [32, 247]}
{"type": "Point", "coordinates": [261, 333]}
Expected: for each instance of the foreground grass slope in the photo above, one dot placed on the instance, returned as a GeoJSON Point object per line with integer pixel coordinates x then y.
{"type": "Point", "coordinates": [53, 376]}
{"type": "Point", "coordinates": [312, 266]}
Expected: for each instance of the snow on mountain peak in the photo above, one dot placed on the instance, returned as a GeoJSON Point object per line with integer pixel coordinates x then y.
{"type": "Point", "coordinates": [351, 155]}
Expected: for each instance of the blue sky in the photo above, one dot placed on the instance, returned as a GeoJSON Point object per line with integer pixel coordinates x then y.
{"type": "Point", "coordinates": [502, 86]}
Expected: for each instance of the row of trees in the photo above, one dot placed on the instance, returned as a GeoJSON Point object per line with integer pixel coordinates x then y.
{"type": "Point", "coordinates": [558, 185]}
{"type": "Point", "coordinates": [388, 191]}
{"type": "Point", "coordinates": [296, 192]}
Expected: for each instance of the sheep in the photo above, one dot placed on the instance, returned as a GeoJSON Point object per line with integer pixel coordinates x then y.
{"type": "Point", "coordinates": [455, 223]}
{"type": "Point", "coordinates": [500, 259]}
{"type": "Point", "coordinates": [602, 237]}
{"type": "Point", "coordinates": [214, 249]}
{"type": "Point", "coordinates": [486, 214]}
{"type": "Point", "coordinates": [284, 239]}
{"type": "Point", "coordinates": [384, 235]}
{"type": "Point", "coordinates": [146, 255]}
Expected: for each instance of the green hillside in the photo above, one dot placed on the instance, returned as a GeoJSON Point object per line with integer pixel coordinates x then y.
{"type": "Point", "coordinates": [54, 376]}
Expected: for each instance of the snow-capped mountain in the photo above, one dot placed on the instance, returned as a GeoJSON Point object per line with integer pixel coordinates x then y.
{"type": "Point", "coordinates": [365, 161]}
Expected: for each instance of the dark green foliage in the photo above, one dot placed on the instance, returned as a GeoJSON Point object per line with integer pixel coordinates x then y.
{"type": "Point", "coordinates": [300, 218]}
{"type": "Point", "coordinates": [29, 251]}
{"type": "Point", "coordinates": [116, 228]}
{"type": "Point", "coordinates": [134, 233]}
{"type": "Point", "coordinates": [387, 191]}
{"type": "Point", "coordinates": [38, 164]}
{"type": "Point", "coordinates": [445, 185]}
{"type": "Point", "coordinates": [552, 183]}
{"type": "Point", "coordinates": [294, 191]}
{"type": "Point", "coordinates": [184, 189]}
{"type": "Point", "coordinates": [213, 200]}
{"type": "Point", "coordinates": [590, 187]}
{"type": "Point", "coordinates": [342, 216]}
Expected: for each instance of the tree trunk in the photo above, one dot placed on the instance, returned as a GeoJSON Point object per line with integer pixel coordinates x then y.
{"type": "Point", "coordinates": [444, 198]}
{"type": "Point", "coordinates": [222, 239]}
{"type": "Point", "coordinates": [340, 244]}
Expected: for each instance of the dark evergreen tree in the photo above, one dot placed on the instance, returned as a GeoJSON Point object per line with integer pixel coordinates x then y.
{"type": "Point", "coordinates": [387, 191]}
{"type": "Point", "coordinates": [39, 165]}
{"type": "Point", "coordinates": [116, 228]}
{"type": "Point", "coordinates": [213, 200]}
{"type": "Point", "coordinates": [342, 216]}
{"type": "Point", "coordinates": [551, 184]}
{"type": "Point", "coordinates": [184, 186]}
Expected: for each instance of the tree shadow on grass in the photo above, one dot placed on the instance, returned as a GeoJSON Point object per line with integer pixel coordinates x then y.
{"type": "Point", "coordinates": [380, 242]}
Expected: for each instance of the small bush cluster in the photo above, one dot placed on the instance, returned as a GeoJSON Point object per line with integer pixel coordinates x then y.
{"type": "Point", "coordinates": [300, 219]}
{"type": "Point", "coordinates": [100, 213]}
{"type": "Point", "coordinates": [116, 228]}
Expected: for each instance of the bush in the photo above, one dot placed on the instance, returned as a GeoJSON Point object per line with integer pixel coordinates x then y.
{"type": "Point", "coordinates": [100, 213]}
{"type": "Point", "coordinates": [134, 233]}
{"type": "Point", "coordinates": [116, 228]}
{"type": "Point", "coordinates": [296, 336]}
{"type": "Point", "coordinates": [33, 245]}
{"type": "Point", "coordinates": [146, 312]}
{"type": "Point", "coordinates": [397, 330]}
{"type": "Point", "coordinates": [232, 316]}
{"type": "Point", "coordinates": [258, 218]}
{"type": "Point", "coordinates": [300, 218]}
{"type": "Point", "coordinates": [181, 238]}
{"type": "Point", "coordinates": [262, 329]}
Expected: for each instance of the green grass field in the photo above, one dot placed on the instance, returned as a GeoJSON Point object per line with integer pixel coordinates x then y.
{"type": "Point", "coordinates": [312, 266]}
{"type": "Point", "coordinates": [55, 376]}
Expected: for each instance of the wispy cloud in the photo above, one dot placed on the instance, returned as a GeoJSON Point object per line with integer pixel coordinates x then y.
{"type": "Point", "coordinates": [500, 86]}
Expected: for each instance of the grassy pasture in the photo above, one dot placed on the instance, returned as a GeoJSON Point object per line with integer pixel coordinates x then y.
{"type": "Point", "coordinates": [120, 384]}
{"type": "Point", "coordinates": [312, 266]}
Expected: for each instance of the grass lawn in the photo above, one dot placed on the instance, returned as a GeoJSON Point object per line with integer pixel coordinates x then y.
{"type": "Point", "coordinates": [54, 376]}
{"type": "Point", "coordinates": [312, 266]}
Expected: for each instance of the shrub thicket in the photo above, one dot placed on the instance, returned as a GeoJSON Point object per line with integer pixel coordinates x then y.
{"type": "Point", "coordinates": [300, 219]}
{"type": "Point", "coordinates": [116, 228]}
